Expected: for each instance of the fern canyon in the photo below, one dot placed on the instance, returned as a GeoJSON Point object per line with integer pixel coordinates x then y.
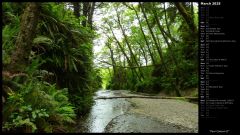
{"type": "Point", "coordinates": [102, 67]}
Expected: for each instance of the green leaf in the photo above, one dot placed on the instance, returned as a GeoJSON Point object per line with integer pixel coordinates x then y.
{"type": "Point", "coordinates": [74, 65]}
{"type": "Point", "coordinates": [43, 40]}
{"type": "Point", "coordinates": [34, 115]}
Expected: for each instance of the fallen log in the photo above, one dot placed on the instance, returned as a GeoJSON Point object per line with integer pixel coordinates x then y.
{"type": "Point", "coordinates": [151, 97]}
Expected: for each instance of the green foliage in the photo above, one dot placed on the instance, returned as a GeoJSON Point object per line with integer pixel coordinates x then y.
{"type": "Point", "coordinates": [37, 102]}
{"type": "Point", "coordinates": [166, 83]}
{"type": "Point", "coordinates": [9, 33]}
{"type": "Point", "coordinates": [25, 117]}
{"type": "Point", "coordinates": [145, 86]}
{"type": "Point", "coordinates": [60, 79]}
{"type": "Point", "coordinates": [192, 81]}
{"type": "Point", "coordinates": [105, 77]}
{"type": "Point", "coordinates": [67, 48]}
{"type": "Point", "coordinates": [96, 76]}
{"type": "Point", "coordinates": [44, 40]}
{"type": "Point", "coordinates": [172, 56]}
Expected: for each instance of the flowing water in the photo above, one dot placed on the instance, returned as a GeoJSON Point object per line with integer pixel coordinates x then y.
{"type": "Point", "coordinates": [103, 111]}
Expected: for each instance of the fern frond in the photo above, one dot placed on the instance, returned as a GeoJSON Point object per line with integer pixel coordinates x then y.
{"type": "Point", "coordinates": [43, 40]}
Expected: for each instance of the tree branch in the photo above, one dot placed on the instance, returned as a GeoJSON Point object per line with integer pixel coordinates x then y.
{"type": "Point", "coordinates": [128, 66]}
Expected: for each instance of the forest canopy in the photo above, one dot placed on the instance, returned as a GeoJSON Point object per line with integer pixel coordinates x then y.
{"type": "Point", "coordinates": [148, 47]}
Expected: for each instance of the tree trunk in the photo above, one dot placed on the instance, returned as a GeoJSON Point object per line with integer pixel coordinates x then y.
{"type": "Point", "coordinates": [128, 44]}
{"type": "Point", "coordinates": [85, 13]}
{"type": "Point", "coordinates": [28, 25]}
{"type": "Point", "coordinates": [165, 13]}
{"type": "Point", "coordinates": [90, 15]}
{"type": "Point", "coordinates": [122, 50]}
{"type": "Point", "coordinates": [154, 38]}
{"type": "Point", "coordinates": [168, 33]}
{"type": "Point", "coordinates": [187, 17]}
{"type": "Point", "coordinates": [112, 58]}
{"type": "Point", "coordinates": [145, 38]}
{"type": "Point", "coordinates": [76, 9]}
{"type": "Point", "coordinates": [143, 52]}
{"type": "Point", "coordinates": [192, 11]}
{"type": "Point", "coordinates": [170, 50]}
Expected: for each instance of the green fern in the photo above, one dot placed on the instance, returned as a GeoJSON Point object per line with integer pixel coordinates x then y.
{"type": "Point", "coordinates": [43, 40]}
{"type": "Point", "coordinates": [43, 101]}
